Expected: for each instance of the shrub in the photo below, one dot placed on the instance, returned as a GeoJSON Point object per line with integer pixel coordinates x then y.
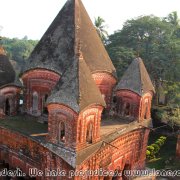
{"type": "Point", "coordinates": [154, 148]}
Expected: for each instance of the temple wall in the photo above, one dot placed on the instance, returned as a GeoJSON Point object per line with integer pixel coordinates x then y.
{"type": "Point", "coordinates": [105, 83]}
{"type": "Point", "coordinates": [145, 106]}
{"type": "Point", "coordinates": [38, 85]}
{"type": "Point", "coordinates": [80, 130]}
{"type": "Point", "coordinates": [126, 152]}
{"type": "Point", "coordinates": [62, 115]}
{"type": "Point", "coordinates": [88, 126]}
{"type": "Point", "coordinates": [9, 106]}
{"type": "Point", "coordinates": [21, 151]}
{"type": "Point", "coordinates": [127, 104]}
{"type": "Point", "coordinates": [130, 104]}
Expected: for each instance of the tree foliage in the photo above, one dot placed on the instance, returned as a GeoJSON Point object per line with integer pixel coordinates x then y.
{"type": "Point", "coordinates": [18, 49]}
{"type": "Point", "coordinates": [157, 41]}
{"type": "Point", "coordinates": [153, 39]}
{"type": "Point", "coordinates": [101, 28]}
{"type": "Point", "coordinates": [153, 149]}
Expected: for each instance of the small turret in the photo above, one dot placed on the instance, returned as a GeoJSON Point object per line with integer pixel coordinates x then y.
{"type": "Point", "coordinates": [134, 92]}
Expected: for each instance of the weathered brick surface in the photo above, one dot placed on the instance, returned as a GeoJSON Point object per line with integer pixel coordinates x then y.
{"type": "Point", "coordinates": [11, 94]}
{"type": "Point", "coordinates": [132, 105]}
{"type": "Point", "coordinates": [21, 151]}
{"type": "Point", "coordinates": [146, 101]}
{"type": "Point", "coordinates": [91, 115]}
{"type": "Point", "coordinates": [75, 125]}
{"type": "Point", "coordinates": [41, 82]}
{"type": "Point", "coordinates": [61, 114]}
{"type": "Point", "coordinates": [128, 150]}
{"type": "Point", "coordinates": [124, 97]}
{"type": "Point", "coordinates": [105, 83]}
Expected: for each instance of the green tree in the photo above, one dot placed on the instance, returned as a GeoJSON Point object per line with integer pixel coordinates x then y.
{"type": "Point", "coordinates": [101, 28]}
{"type": "Point", "coordinates": [173, 18]}
{"type": "Point", "coordinates": [18, 50]}
{"type": "Point", "coordinates": [121, 57]}
{"type": "Point", "coordinates": [152, 39]}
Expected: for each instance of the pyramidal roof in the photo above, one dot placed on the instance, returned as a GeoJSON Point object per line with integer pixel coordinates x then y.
{"type": "Point", "coordinates": [56, 48]}
{"type": "Point", "coordinates": [77, 88]}
{"type": "Point", "coordinates": [7, 73]}
{"type": "Point", "coordinates": [136, 78]}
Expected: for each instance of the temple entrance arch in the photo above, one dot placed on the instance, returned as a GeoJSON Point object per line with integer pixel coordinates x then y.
{"type": "Point", "coordinates": [146, 111]}
{"type": "Point", "coordinates": [126, 109]}
{"type": "Point", "coordinates": [89, 133]}
{"type": "Point", "coordinates": [124, 172]}
{"type": "Point", "coordinates": [61, 132]}
{"type": "Point", "coordinates": [35, 102]}
{"type": "Point", "coordinates": [7, 107]}
{"type": "Point", "coordinates": [45, 110]}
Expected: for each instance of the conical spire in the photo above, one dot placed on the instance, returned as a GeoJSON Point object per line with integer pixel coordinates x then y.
{"type": "Point", "coordinates": [56, 48]}
{"type": "Point", "coordinates": [77, 88]}
{"type": "Point", "coordinates": [136, 78]}
{"type": "Point", "coordinates": [7, 73]}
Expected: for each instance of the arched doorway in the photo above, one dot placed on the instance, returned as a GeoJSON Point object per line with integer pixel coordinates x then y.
{"type": "Point", "coordinates": [127, 109]}
{"type": "Point", "coordinates": [89, 133]}
{"type": "Point", "coordinates": [61, 137]}
{"type": "Point", "coordinates": [35, 102]}
{"type": "Point", "coordinates": [146, 109]}
{"type": "Point", "coordinates": [45, 110]}
{"type": "Point", "coordinates": [124, 172]}
{"type": "Point", "coordinates": [7, 107]}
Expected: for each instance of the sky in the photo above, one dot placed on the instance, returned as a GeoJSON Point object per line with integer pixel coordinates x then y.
{"type": "Point", "coordinates": [19, 18]}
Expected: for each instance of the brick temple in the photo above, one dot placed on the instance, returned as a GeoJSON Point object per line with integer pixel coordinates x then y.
{"type": "Point", "coordinates": [93, 120]}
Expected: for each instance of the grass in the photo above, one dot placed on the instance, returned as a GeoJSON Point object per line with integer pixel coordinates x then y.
{"type": "Point", "coordinates": [24, 124]}
{"type": "Point", "coordinates": [166, 157]}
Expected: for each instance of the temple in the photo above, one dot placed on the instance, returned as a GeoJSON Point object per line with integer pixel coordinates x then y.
{"type": "Point", "coordinates": [10, 86]}
{"type": "Point", "coordinates": [94, 121]}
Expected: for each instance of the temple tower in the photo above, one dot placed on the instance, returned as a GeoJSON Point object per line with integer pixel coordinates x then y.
{"type": "Point", "coordinates": [134, 92]}
{"type": "Point", "coordinates": [54, 53]}
{"type": "Point", "coordinates": [10, 86]}
{"type": "Point", "coordinates": [75, 107]}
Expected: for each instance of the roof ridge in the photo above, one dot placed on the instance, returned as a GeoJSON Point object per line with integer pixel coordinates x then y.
{"type": "Point", "coordinates": [59, 43]}
{"type": "Point", "coordinates": [79, 91]}
{"type": "Point", "coordinates": [140, 73]}
{"type": "Point", "coordinates": [136, 78]}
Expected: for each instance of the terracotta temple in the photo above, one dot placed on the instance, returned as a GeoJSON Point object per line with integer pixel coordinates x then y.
{"type": "Point", "coordinates": [94, 121]}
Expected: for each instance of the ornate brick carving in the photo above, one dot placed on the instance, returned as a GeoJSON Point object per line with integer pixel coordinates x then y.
{"type": "Point", "coordinates": [88, 126]}
{"type": "Point", "coordinates": [106, 83]}
{"type": "Point", "coordinates": [130, 104]}
{"type": "Point", "coordinates": [11, 100]}
{"type": "Point", "coordinates": [21, 151]}
{"type": "Point", "coordinates": [38, 85]}
{"type": "Point", "coordinates": [76, 126]}
{"type": "Point", "coordinates": [61, 114]}
{"type": "Point", "coordinates": [128, 150]}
